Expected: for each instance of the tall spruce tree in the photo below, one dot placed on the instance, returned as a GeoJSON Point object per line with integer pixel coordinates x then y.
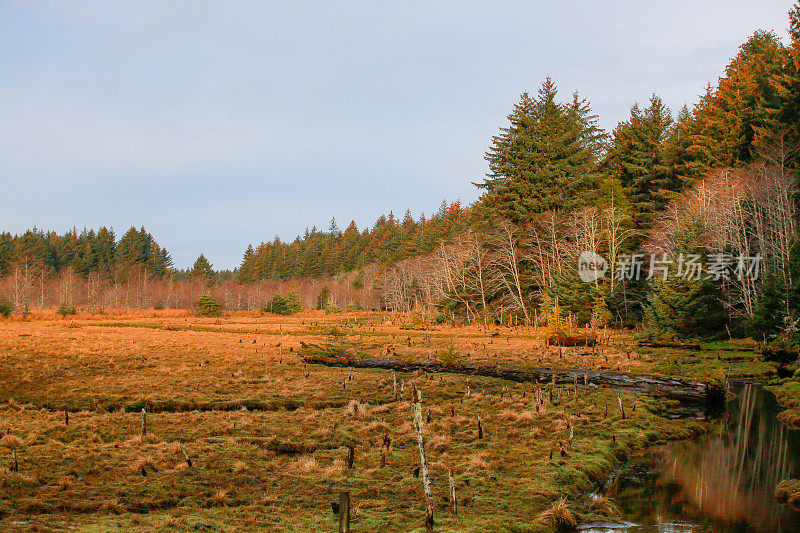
{"type": "Point", "coordinates": [787, 82]}
{"type": "Point", "coordinates": [545, 160]}
{"type": "Point", "coordinates": [638, 160]}
{"type": "Point", "coordinates": [726, 122]}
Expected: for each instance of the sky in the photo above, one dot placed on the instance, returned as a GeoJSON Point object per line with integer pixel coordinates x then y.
{"type": "Point", "coordinates": [220, 124]}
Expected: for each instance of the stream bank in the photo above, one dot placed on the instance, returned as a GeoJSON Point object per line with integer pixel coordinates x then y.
{"type": "Point", "coordinates": [723, 482]}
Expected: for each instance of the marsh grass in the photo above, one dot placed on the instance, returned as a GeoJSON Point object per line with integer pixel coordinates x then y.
{"type": "Point", "coordinates": [268, 445]}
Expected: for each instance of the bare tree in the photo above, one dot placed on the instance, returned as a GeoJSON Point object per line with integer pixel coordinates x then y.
{"type": "Point", "coordinates": [616, 234]}
{"type": "Point", "coordinates": [506, 263]}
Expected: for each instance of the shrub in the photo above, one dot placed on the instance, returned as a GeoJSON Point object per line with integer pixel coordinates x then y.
{"type": "Point", "coordinates": [277, 305]}
{"type": "Point", "coordinates": [208, 306]}
{"type": "Point", "coordinates": [450, 356]}
{"type": "Point", "coordinates": [6, 306]}
{"type": "Point", "coordinates": [293, 302]}
{"type": "Point", "coordinates": [284, 306]}
{"type": "Point", "coordinates": [782, 351]}
{"type": "Point", "coordinates": [66, 309]}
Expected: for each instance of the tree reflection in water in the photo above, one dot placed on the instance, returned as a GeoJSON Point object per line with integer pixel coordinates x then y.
{"type": "Point", "coordinates": [724, 482]}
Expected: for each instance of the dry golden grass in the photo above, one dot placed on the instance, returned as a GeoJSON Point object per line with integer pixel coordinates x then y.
{"type": "Point", "coordinates": [239, 466]}
{"type": "Point", "coordinates": [11, 441]}
{"type": "Point", "coordinates": [267, 444]}
{"type": "Point", "coordinates": [603, 506]}
{"type": "Point", "coordinates": [305, 465]}
{"type": "Point", "coordinates": [65, 483]}
{"type": "Point", "coordinates": [219, 498]}
{"type": "Point", "coordinates": [559, 516]}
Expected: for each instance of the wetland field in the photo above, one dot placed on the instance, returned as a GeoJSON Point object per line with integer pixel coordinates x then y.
{"type": "Point", "coordinates": [239, 433]}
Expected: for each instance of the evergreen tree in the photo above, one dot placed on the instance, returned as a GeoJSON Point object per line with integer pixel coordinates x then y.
{"type": "Point", "coordinates": [208, 306]}
{"type": "Point", "coordinates": [725, 124]}
{"type": "Point", "coordinates": [684, 308]}
{"type": "Point", "coordinates": [546, 159]}
{"type": "Point", "coordinates": [277, 305]}
{"type": "Point", "coordinates": [637, 159]}
{"type": "Point", "coordinates": [202, 269]}
{"type": "Point", "coordinates": [685, 305]}
{"type": "Point", "coordinates": [769, 315]}
{"type": "Point", "coordinates": [787, 81]}
{"type": "Point", "coordinates": [293, 304]}
{"type": "Point", "coordinates": [6, 253]}
{"type": "Point", "coordinates": [323, 297]}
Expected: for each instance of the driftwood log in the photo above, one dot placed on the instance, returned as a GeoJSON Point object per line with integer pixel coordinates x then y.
{"type": "Point", "coordinates": [685, 390]}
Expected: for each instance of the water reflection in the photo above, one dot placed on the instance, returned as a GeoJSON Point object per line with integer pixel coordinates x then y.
{"type": "Point", "coordinates": [722, 483]}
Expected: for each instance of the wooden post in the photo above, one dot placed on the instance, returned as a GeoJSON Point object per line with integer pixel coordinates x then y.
{"type": "Point", "coordinates": [621, 407]}
{"type": "Point", "coordinates": [387, 442]}
{"type": "Point", "coordinates": [344, 512]}
{"type": "Point", "coordinates": [394, 384]}
{"type": "Point", "coordinates": [351, 457]}
{"type": "Point", "coordinates": [66, 417]}
{"type": "Point", "coordinates": [480, 427]}
{"type": "Point", "coordinates": [14, 462]}
{"type": "Point", "coordinates": [144, 421]}
{"type": "Point", "coordinates": [185, 455]}
{"type": "Point", "coordinates": [426, 483]}
{"type": "Point", "coordinates": [453, 501]}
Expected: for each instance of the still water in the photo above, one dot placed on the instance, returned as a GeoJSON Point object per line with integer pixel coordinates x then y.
{"type": "Point", "coordinates": [722, 483]}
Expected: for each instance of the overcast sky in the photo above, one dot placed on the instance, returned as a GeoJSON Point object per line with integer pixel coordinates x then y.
{"type": "Point", "coordinates": [218, 124]}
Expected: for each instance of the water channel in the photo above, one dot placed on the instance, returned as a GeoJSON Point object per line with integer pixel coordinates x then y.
{"type": "Point", "coordinates": [721, 483]}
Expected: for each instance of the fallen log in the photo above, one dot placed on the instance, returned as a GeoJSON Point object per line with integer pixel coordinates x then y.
{"type": "Point", "coordinates": [675, 345]}
{"type": "Point", "coordinates": [685, 390]}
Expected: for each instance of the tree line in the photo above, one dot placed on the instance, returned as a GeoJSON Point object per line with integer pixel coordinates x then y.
{"type": "Point", "coordinates": [320, 253]}
{"type": "Point", "coordinates": [709, 183]}
{"type": "Point", "coordinates": [692, 193]}
{"type": "Point", "coordinates": [86, 252]}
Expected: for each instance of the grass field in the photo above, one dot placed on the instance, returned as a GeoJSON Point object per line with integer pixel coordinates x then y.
{"type": "Point", "coordinates": [268, 436]}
